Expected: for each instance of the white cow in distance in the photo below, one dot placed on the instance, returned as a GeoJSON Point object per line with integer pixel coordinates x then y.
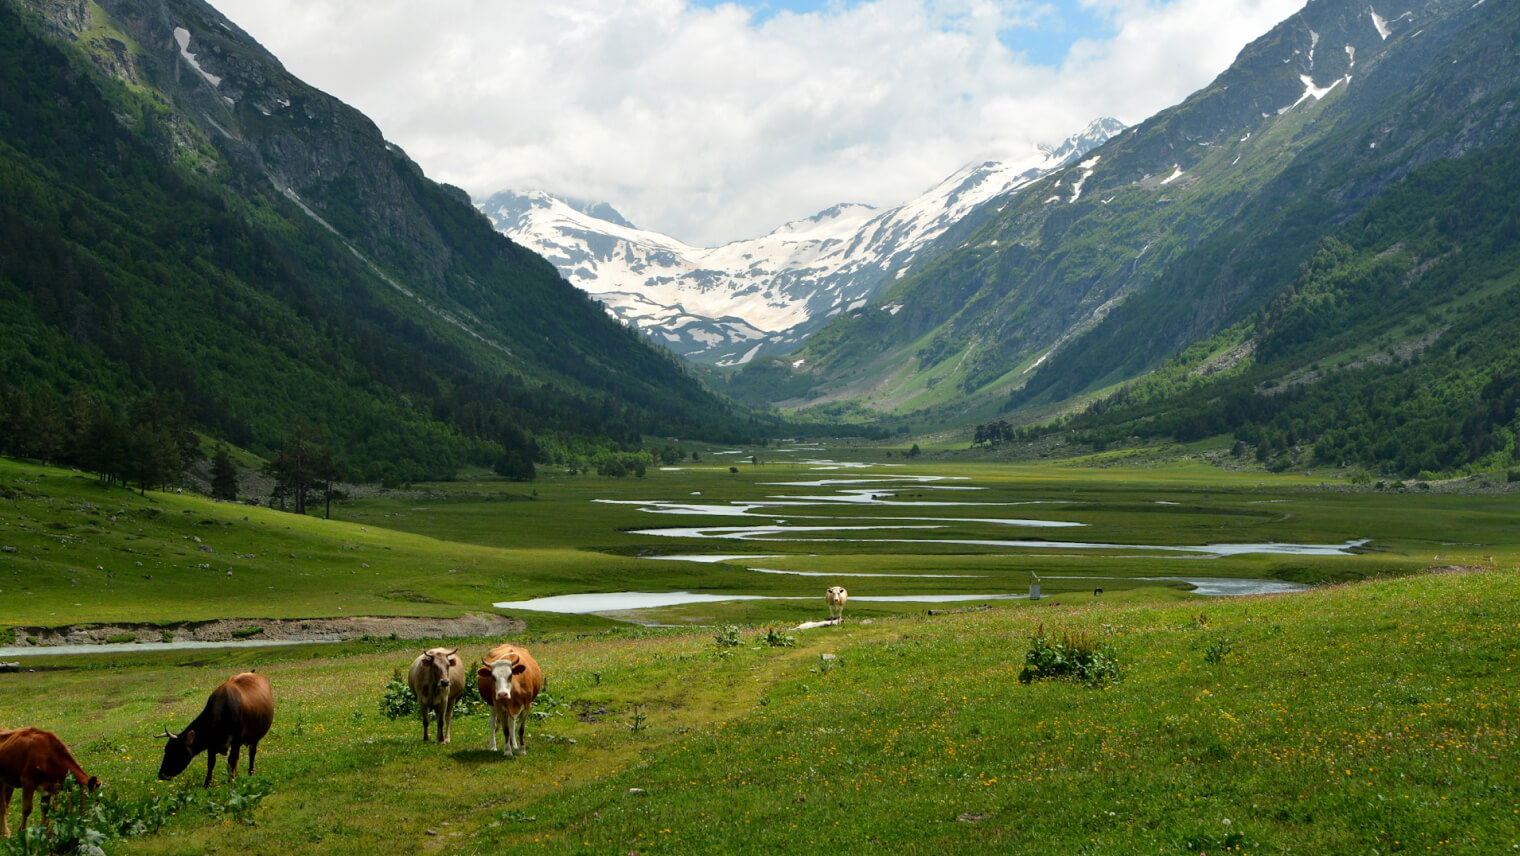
{"type": "Point", "coordinates": [836, 596]}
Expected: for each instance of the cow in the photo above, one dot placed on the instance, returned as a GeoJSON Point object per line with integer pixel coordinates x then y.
{"type": "Point", "coordinates": [238, 714]}
{"type": "Point", "coordinates": [32, 759]}
{"type": "Point", "coordinates": [509, 679]}
{"type": "Point", "coordinates": [437, 680]}
{"type": "Point", "coordinates": [836, 596]}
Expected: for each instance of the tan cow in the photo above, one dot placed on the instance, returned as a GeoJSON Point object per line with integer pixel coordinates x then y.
{"type": "Point", "coordinates": [836, 596]}
{"type": "Point", "coordinates": [437, 679]}
{"type": "Point", "coordinates": [509, 679]}
{"type": "Point", "coordinates": [32, 759]}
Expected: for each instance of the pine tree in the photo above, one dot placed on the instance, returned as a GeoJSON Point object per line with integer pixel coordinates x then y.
{"type": "Point", "coordinates": [224, 480]}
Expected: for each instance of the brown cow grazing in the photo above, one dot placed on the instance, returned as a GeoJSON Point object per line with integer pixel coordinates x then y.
{"type": "Point", "coordinates": [836, 596]}
{"type": "Point", "coordinates": [437, 680]}
{"type": "Point", "coordinates": [509, 680]}
{"type": "Point", "coordinates": [32, 759]}
{"type": "Point", "coordinates": [238, 714]}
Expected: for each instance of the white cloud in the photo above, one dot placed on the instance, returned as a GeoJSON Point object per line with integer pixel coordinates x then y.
{"type": "Point", "coordinates": [711, 126]}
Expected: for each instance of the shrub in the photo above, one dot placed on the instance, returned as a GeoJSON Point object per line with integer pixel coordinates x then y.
{"type": "Point", "coordinates": [399, 700]}
{"type": "Point", "coordinates": [1073, 656]}
{"type": "Point", "coordinates": [727, 636]}
{"type": "Point", "coordinates": [1217, 650]}
{"type": "Point", "coordinates": [779, 640]}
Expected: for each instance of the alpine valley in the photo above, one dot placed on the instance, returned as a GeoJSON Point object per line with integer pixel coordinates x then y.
{"type": "Point", "coordinates": [1312, 260]}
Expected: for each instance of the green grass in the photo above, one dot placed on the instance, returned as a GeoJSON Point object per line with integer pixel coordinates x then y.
{"type": "Point", "coordinates": [1374, 715]}
{"type": "Point", "coordinates": [1341, 720]}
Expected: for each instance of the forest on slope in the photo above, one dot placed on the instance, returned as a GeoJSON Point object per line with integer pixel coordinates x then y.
{"type": "Point", "coordinates": [1396, 348]}
{"type": "Point", "coordinates": [154, 261]}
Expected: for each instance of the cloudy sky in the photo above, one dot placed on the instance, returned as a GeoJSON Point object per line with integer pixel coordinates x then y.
{"type": "Point", "coordinates": [713, 121]}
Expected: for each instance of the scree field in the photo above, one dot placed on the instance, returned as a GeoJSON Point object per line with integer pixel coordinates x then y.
{"type": "Point", "coordinates": [1369, 702]}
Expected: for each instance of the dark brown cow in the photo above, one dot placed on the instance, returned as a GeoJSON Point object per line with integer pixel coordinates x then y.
{"type": "Point", "coordinates": [509, 679]}
{"type": "Point", "coordinates": [238, 714]}
{"type": "Point", "coordinates": [32, 759]}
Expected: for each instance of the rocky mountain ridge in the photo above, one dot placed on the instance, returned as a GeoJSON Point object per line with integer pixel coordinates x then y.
{"type": "Point", "coordinates": [727, 305]}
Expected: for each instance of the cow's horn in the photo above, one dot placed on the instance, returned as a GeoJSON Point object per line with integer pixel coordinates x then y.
{"type": "Point", "coordinates": [165, 736]}
{"type": "Point", "coordinates": [453, 652]}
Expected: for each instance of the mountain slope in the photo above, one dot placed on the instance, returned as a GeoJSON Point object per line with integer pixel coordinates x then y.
{"type": "Point", "coordinates": [729, 304]}
{"type": "Point", "coordinates": [184, 219]}
{"type": "Point", "coordinates": [1177, 228]}
{"type": "Point", "coordinates": [1395, 349]}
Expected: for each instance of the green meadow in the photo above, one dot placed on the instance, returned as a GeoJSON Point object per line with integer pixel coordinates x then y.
{"type": "Point", "coordinates": [1374, 712]}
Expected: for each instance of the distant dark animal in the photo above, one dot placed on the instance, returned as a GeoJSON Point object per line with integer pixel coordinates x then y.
{"type": "Point", "coordinates": [509, 679]}
{"type": "Point", "coordinates": [836, 597]}
{"type": "Point", "coordinates": [32, 759]}
{"type": "Point", "coordinates": [1097, 591]}
{"type": "Point", "coordinates": [437, 679]}
{"type": "Point", "coordinates": [238, 714]}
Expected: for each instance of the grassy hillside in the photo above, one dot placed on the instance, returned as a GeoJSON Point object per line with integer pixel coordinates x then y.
{"type": "Point", "coordinates": [1393, 349]}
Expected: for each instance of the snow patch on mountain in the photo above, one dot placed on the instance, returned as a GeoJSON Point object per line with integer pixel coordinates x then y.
{"type": "Point", "coordinates": [727, 305]}
{"type": "Point", "coordinates": [182, 37]}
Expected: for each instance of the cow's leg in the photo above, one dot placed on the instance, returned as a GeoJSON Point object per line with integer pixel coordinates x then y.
{"type": "Point", "coordinates": [232, 759]}
{"type": "Point", "coordinates": [5, 810]}
{"type": "Point", "coordinates": [253, 751]}
{"type": "Point", "coordinates": [210, 765]}
{"type": "Point", "coordinates": [424, 712]}
{"type": "Point", "coordinates": [26, 806]}
{"type": "Point", "coordinates": [522, 729]}
{"type": "Point", "coordinates": [446, 722]}
{"type": "Point", "coordinates": [493, 728]}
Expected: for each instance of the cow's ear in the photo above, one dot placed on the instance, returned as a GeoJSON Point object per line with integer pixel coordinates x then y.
{"type": "Point", "coordinates": [484, 672]}
{"type": "Point", "coordinates": [189, 737]}
{"type": "Point", "coordinates": [518, 668]}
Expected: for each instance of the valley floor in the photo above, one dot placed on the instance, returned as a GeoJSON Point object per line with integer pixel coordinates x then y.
{"type": "Point", "coordinates": [1374, 714]}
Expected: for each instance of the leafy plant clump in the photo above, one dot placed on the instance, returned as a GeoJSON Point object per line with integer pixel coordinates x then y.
{"type": "Point", "coordinates": [399, 700]}
{"type": "Point", "coordinates": [777, 639]}
{"type": "Point", "coordinates": [247, 632]}
{"type": "Point", "coordinates": [105, 817]}
{"type": "Point", "coordinates": [727, 636]}
{"type": "Point", "coordinates": [1071, 656]}
{"type": "Point", "coordinates": [1217, 650]}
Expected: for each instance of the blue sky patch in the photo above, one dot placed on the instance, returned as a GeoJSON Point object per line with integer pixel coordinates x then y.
{"type": "Point", "coordinates": [1045, 42]}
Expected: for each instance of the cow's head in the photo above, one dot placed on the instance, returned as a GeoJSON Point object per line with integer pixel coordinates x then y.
{"type": "Point", "coordinates": [501, 672]}
{"type": "Point", "coordinates": [178, 750]}
{"type": "Point", "coordinates": [439, 660]}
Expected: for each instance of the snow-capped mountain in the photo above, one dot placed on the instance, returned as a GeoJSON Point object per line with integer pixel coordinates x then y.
{"type": "Point", "coordinates": [726, 305]}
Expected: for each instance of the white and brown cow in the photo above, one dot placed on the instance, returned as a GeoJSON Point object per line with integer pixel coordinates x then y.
{"type": "Point", "coordinates": [437, 680]}
{"type": "Point", "coordinates": [509, 679]}
{"type": "Point", "coordinates": [835, 597]}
